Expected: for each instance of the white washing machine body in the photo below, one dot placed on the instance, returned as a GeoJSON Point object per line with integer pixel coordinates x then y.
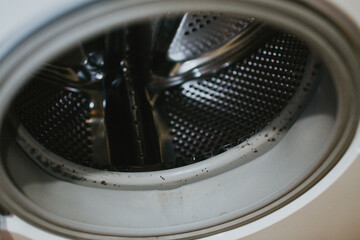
{"type": "Point", "coordinates": [328, 210]}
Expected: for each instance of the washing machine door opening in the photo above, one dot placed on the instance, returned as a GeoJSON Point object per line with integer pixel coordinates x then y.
{"type": "Point", "coordinates": [206, 119]}
{"type": "Point", "coordinates": [165, 93]}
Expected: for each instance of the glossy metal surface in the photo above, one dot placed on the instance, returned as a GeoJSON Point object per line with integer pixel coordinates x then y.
{"type": "Point", "coordinates": [106, 95]}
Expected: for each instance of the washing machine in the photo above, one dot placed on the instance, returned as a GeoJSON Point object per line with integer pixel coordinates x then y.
{"type": "Point", "coordinates": [168, 119]}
